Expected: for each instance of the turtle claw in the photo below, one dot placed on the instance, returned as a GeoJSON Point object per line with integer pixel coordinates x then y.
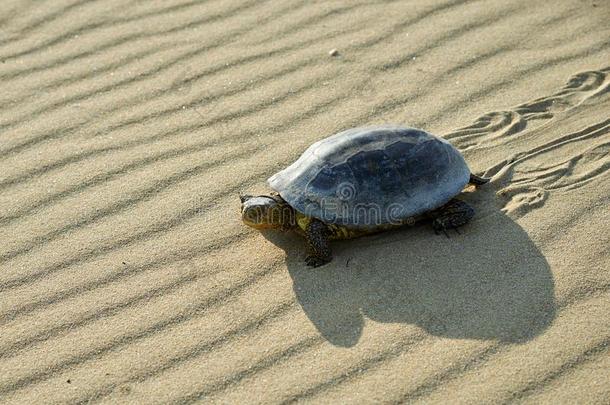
{"type": "Point", "coordinates": [438, 230]}
{"type": "Point", "coordinates": [451, 216]}
{"type": "Point", "coordinates": [440, 227]}
{"type": "Point", "coordinates": [316, 261]}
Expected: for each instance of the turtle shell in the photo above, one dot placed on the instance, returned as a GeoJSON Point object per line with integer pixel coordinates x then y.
{"type": "Point", "coordinates": [367, 177]}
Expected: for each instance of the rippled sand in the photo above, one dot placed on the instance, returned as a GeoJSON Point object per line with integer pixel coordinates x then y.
{"type": "Point", "coordinates": [127, 130]}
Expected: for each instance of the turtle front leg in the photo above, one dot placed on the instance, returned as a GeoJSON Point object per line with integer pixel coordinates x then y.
{"type": "Point", "coordinates": [451, 215]}
{"type": "Point", "coordinates": [317, 241]}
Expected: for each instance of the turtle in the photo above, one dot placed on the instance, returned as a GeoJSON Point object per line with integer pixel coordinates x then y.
{"type": "Point", "coordinates": [362, 181]}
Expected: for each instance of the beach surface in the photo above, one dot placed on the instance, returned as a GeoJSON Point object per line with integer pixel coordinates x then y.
{"type": "Point", "coordinates": [127, 130]}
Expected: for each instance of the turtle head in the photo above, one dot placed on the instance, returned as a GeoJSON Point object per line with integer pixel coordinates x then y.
{"type": "Point", "coordinates": [266, 212]}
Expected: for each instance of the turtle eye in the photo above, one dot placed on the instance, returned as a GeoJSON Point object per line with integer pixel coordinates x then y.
{"type": "Point", "coordinates": [244, 197]}
{"type": "Point", "coordinates": [252, 215]}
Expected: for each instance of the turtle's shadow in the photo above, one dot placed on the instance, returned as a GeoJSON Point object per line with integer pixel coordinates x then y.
{"type": "Point", "coordinates": [490, 282]}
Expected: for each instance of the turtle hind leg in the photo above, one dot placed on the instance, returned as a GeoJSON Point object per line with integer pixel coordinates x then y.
{"type": "Point", "coordinates": [317, 240]}
{"type": "Point", "coordinates": [476, 180]}
{"type": "Point", "coordinates": [451, 216]}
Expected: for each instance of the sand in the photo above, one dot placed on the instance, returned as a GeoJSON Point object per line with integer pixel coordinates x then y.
{"type": "Point", "coordinates": [128, 130]}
